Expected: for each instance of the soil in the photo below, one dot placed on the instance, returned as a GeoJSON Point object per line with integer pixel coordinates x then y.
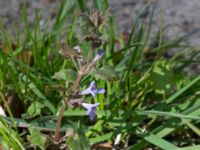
{"type": "Point", "coordinates": [179, 16]}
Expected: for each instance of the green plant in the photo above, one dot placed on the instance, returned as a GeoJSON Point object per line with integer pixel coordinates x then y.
{"type": "Point", "coordinates": [150, 101]}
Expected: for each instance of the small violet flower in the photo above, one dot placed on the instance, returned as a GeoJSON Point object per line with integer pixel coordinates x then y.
{"type": "Point", "coordinates": [91, 110]}
{"type": "Point", "coordinates": [92, 90]}
{"type": "Point", "coordinates": [99, 54]}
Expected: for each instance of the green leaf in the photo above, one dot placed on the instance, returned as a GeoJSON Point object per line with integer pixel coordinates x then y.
{"type": "Point", "coordinates": [182, 90]}
{"type": "Point", "coordinates": [81, 4]}
{"type": "Point", "coordinates": [168, 114]}
{"type": "Point", "coordinates": [100, 5]}
{"type": "Point", "coordinates": [9, 137]}
{"type": "Point", "coordinates": [192, 127]}
{"type": "Point", "coordinates": [66, 8]}
{"type": "Point", "coordinates": [78, 141]}
{"type": "Point", "coordinates": [36, 138]}
{"type": "Point", "coordinates": [45, 124]}
{"type": "Point", "coordinates": [155, 140]}
{"type": "Point", "coordinates": [101, 138]}
{"type": "Point", "coordinates": [35, 109]}
{"type": "Point", "coordinates": [104, 73]}
{"type": "Point", "coordinates": [162, 77]}
{"type": "Point", "coordinates": [68, 75]}
{"type": "Point", "coordinates": [74, 112]}
{"type": "Point", "coordinates": [39, 94]}
{"type": "Point", "coordinates": [194, 147]}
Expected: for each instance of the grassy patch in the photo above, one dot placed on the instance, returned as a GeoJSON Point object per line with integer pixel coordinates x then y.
{"type": "Point", "coordinates": [149, 100]}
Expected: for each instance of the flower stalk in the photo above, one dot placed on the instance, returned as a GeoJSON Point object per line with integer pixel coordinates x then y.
{"type": "Point", "coordinates": [74, 89]}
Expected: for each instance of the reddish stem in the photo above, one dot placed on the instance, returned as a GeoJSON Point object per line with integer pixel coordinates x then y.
{"type": "Point", "coordinates": [74, 88]}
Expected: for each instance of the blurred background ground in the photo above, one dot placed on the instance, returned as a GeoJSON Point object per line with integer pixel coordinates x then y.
{"type": "Point", "coordinates": [179, 16]}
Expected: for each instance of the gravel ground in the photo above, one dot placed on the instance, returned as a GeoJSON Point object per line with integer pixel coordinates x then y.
{"type": "Point", "coordinates": [179, 16]}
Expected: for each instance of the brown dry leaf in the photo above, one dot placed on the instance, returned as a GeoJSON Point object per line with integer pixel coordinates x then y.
{"type": "Point", "coordinates": [26, 56]}
{"type": "Point", "coordinates": [68, 52]}
{"type": "Point", "coordinates": [16, 106]}
{"type": "Point", "coordinates": [103, 146]}
{"type": "Point", "coordinates": [6, 48]}
{"type": "Point", "coordinates": [1, 147]}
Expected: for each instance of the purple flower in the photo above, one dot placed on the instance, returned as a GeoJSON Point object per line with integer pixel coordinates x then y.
{"type": "Point", "coordinates": [92, 90]}
{"type": "Point", "coordinates": [99, 54]}
{"type": "Point", "coordinates": [91, 110]}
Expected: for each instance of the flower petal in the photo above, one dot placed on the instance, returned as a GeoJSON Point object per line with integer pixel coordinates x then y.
{"type": "Point", "coordinates": [92, 85]}
{"type": "Point", "coordinates": [92, 90]}
{"type": "Point", "coordinates": [101, 91]}
{"type": "Point", "coordinates": [86, 105]}
{"type": "Point", "coordinates": [93, 93]}
{"type": "Point", "coordinates": [96, 105]}
{"type": "Point", "coordinates": [92, 116]}
{"type": "Point", "coordinates": [86, 91]}
{"type": "Point", "coordinates": [91, 110]}
{"type": "Point", "coordinates": [99, 54]}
